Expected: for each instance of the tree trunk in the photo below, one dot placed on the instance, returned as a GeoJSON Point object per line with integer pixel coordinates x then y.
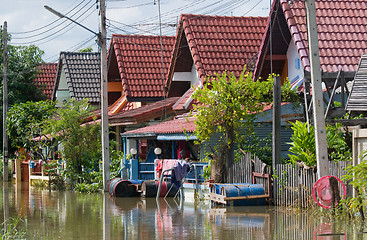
{"type": "Point", "coordinates": [220, 170]}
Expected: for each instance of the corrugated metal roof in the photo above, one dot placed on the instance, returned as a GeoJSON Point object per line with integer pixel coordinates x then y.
{"type": "Point", "coordinates": [357, 100]}
{"type": "Point", "coordinates": [181, 125]}
{"type": "Point", "coordinates": [176, 137]}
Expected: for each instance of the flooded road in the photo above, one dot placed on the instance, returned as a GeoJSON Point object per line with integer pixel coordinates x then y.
{"type": "Point", "coordinates": [70, 215]}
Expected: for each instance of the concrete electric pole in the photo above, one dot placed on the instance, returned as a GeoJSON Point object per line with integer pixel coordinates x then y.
{"type": "Point", "coordinates": [5, 104]}
{"type": "Point", "coordinates": [318, 109]}
{"type": "Point", "coordinates": [104, 102]}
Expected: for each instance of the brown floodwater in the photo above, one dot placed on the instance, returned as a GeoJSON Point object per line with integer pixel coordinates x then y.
{"type": "Point", "coordinates": [70, 215]}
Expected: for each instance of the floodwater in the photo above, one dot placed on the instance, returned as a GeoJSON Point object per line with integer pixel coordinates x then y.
{"type": "Point", "coordinates": [70, 215]}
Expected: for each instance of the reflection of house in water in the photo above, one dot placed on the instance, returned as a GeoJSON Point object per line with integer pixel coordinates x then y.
{"type": "Point", "coordinates": [139, 219]}
{"type": "Point", "coordinates": [247, 223]}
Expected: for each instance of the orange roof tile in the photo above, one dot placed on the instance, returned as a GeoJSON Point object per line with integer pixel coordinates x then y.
{"type": "Point", "coordinates": [139, 62]}
{"type": "Point", "coordinates": [342, 30]}
{"type": "Point", "coordinates": [45, 79]}
{"type": "Point", "coordinates": [215, 44]}
{"type": "Point", "coordinates": [220, 43]}
{"type": "Point", "coordinates": [143, 113]}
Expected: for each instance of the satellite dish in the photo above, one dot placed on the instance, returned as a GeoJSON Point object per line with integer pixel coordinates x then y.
{"type": "Point", "coordinates": [322, 191]}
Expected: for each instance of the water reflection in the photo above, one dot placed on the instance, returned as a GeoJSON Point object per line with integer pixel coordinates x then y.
{"type": "Point", "coordinates": [69, 215]}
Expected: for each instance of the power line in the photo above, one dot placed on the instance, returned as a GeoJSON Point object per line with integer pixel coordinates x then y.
{"type": "Point", "coordinates": [47, 25]}
{"type": "Point", "coordinates": [53, 36]}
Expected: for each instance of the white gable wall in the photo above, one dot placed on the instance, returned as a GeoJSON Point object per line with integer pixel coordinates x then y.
{"type": "Point", "coordinates": [62, 92]}
{"type": "Point", "coordinates": [295, 68]}
{"type": "Point", "coordinates": [191, 77]}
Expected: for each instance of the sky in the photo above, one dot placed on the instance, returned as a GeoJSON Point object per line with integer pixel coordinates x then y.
{"type": "Point", "coordinates": [29, 23]}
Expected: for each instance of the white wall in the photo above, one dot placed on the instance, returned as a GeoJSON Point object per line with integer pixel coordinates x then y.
{"type": "Point", "coordinates": [191, 77]}
{"type": "Point", "coordinates": [295, 68]}
{"type": "Point", "coordinates": [62, 92]}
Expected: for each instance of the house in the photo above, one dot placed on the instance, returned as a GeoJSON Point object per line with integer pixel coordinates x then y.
{"type": "Point", "coordinates": [137, 69]}
{"type": "Point", "coordinates": [45, 78]}
{"type": "Point", "coordinates": [78, 76]}
{"type": "Point", "coordinates": [205, 45]}
{"type": "Point", "coordinates": [341, 32]}
{"type": "Point", "coordinates": [210, 45]}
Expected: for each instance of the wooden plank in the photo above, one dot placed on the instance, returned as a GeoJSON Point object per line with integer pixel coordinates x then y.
{"type": "Point", "coordinates": [246, 197]}
{"type": "Point", "coordinates": [217, 198]}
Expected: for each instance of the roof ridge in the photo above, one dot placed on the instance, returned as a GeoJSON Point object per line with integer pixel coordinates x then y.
{"type": "Point", "coordinates": [219, 16]}
{"type": "Point", "coordinates": [140, 36]}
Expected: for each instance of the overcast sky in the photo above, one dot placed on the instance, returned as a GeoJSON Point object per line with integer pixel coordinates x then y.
{"type": "Point", "coordinates": [30, 23]}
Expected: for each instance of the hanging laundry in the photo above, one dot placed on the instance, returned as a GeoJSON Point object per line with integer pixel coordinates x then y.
{"type": "Point", "coordinates": [179, 172]}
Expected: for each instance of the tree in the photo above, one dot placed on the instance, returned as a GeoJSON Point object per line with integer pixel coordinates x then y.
{"type": "Point", "coordinates": [81, 143]}
{"type": "Point", "coordinates": [22, 70]}
{"type": "Point", "coordinates": [22, 63]}
{"type": "Point", "coordinates": [29, 120]}
{"type": "Point", "coordinates": [227, 106]}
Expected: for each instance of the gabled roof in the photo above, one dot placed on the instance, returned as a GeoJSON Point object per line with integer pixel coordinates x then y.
{"type": "Point", "coordinates": [83, 75]}
{"type": "Point", "coordinates": [121, 105]}
{"type": "Point", "coordinates": [180, 125]}
{"type": "Point", "coordinates": [143, 113]}
{"type": "Point", "coordinates": [185, 102]}
{"type": "Point", "coordinates": [357, 100]}
{"type": "Point", "coordinates": [214, 44]}
{"type": "Point", "coordinates": [342, 30]}
{"type": "Point", "coordinates": [45, 79]}
{"type": "Point", "coordinates": [136, 61]}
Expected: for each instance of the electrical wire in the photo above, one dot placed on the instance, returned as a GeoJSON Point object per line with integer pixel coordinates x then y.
{"type": "Point", "coordinates": [49, 24]}
{"type": "Point", "coordinates": [52, 35]}
{"type": "Point", "coordinates": [252, 8]}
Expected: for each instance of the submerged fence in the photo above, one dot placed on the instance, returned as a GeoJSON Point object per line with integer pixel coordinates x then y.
{"type": "Point", "coordinates": [292, 185]}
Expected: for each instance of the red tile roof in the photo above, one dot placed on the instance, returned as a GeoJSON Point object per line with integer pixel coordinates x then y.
{"type": "Point", "coordinates": [181, 125]}
{"type": "Point", "coordinates": [121, 105]}
{"type": "Point", "coordinates": [185, 102]}
{"type": "Point", "coordinates": [140, 64]}
{"type": "Point", "coordinates": [216, 44]}
{"type": "Point", "coordinates": [46, 74]}
{"type": "Point", "coordinates": [143, 113]}
{"type": "Point", "coordinates": [220, 43]}
{"type": "Point", "coordinates": [342, 31]}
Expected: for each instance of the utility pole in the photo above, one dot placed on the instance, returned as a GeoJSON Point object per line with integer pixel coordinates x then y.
{"type": "Point", "coordinates": [277, 101]}
{"type": "Point", "coordinates": [5, 104]}
{"type": "Point", "coordinates": [104, 103]}
{"type": "Point", "coordinates": [318, 109]}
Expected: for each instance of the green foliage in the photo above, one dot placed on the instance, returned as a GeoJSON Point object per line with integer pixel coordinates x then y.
{"type": "Point", "coordinates": [207, 170]}
{"type": "Point", "coordinates": [21, 72]}
{"type": "Point", "coordinates": [9, 229]}
{"type": "Point", "coordinates": [81, 149]}
{"type": "Point", "coordinates": [303, 144]}
{"type": "Point", "coordinates": [28, 120]}
{"type": "Point", "coordinates": [338, 149]}
{"type": "Point", "coordinates": [226, 101]}
{"type": "Point", "coordinates": [86, 50]}
{"type": "Point", "coordinates": [262, 148]}
{"type": "Point", "coordinates": [87, 188]}
{"type": "Point", "coordinates": [227, 106]}
{"type": "Point", "coordinates": [115, 165]}
{"type": "Point", "coordinates": [289, 95]}
{"type": "Point", "coordinates": [22, 63]}
{"type": "Point", "coordinates": [357, 176]}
